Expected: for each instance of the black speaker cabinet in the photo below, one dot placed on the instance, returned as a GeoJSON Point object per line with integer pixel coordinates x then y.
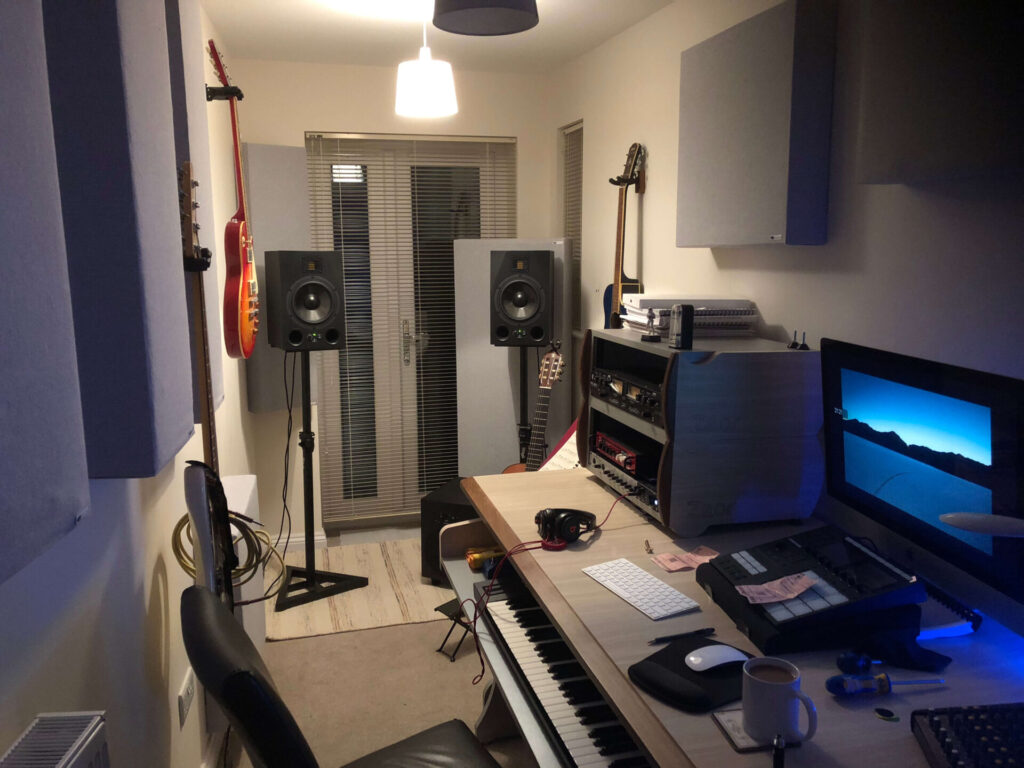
{"type": "Point", "coordinates": [522, 297]}
{"type": "Point", "coordinates": [305, 300]}
{"type": "Point", "coordinates": [448, 504]}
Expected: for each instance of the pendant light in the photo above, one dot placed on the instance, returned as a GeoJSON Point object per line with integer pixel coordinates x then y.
{"type": "Point", "coordinates": [425, 86]}
{"type": "Point", "coordinates": [485, 17]}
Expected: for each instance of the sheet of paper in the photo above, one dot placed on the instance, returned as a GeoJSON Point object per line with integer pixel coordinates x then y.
{"type": "Point", "coordinates": [671, 561]}
{"type": "Point", "coordinates": [775, 591]}
{"type": "Point", "coordinates": [565, 455]}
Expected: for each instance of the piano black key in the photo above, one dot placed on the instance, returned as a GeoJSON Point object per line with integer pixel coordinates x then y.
{"type": "Point", "coordinates": [551, 652]}
{"type": "Point", "coordinates": [583, 695]}
{"type": "Point", "coordinates": [531, 618]}
{"type": "Point", "coordinates": [580, 687]}
{"type": "Point", "coordinates": [564, 671]}
{"type": "Point", "coordinates": [602, 713]}
{"type": "Point", "coordinates": [539, 634]}
{"type": "Point", "coordinates": [521, 602]}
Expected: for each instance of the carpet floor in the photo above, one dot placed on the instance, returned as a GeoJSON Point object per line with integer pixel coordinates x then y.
{"type": "Point", "coordinates": [356, 692]}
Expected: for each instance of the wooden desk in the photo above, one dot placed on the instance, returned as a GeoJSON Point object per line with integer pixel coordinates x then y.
{"type": "Point", "coordinates": [608, 635]}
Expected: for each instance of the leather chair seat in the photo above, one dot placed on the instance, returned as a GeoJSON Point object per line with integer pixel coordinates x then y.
{"type": "Point", "coordinates": [449, 745]}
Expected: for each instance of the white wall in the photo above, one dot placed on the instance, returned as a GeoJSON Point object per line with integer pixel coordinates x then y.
{"type": "Point", "coordinates": [934, 272]}
{"type": "Point", "coordinates": [94, 622]}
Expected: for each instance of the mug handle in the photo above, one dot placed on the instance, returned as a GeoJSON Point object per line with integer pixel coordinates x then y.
{"type": "Point", "coordinates": [812, 715]}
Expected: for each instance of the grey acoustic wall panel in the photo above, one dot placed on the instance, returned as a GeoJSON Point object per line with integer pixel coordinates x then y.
{"type": "Point", "coordinates": [279, 214]}
{"type": "Point", "coordinates": [43, 473]}
{"type": "Point", "coordinates": [941, 90]}
{"type": "Point", "coordinates": [755, 107]}
{"type": "Point", "coordinates": [113, 129]}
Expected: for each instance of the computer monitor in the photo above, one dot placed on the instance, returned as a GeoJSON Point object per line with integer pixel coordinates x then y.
{"type": "Point", "coordinates": [907, 440]}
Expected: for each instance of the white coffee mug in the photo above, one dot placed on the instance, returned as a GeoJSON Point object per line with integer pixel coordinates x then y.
{"type": "Point", "coordinates": [771, 697]}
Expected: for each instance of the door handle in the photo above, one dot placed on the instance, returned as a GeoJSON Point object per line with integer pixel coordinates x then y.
{"type": "Point", "coordinates": [421, 340]}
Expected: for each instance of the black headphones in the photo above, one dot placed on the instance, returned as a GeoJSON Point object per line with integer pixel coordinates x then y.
{"type": "Point", "coordinates": [563, 526]}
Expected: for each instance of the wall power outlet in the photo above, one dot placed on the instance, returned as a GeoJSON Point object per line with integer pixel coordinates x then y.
{"type": "Point", "coordinates": [186, 696]}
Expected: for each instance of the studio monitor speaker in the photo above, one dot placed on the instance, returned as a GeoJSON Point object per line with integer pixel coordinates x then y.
{"type": "Point", "coordinates": [522, 298]}
{"type": "Point", "coordinates": [305, 300]}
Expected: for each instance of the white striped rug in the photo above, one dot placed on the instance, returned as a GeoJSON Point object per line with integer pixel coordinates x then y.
{"type": "Point", "coordinates": [396, 594]}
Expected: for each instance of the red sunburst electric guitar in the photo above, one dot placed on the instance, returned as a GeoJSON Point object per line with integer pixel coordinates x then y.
{"type": "Point", "coordinates": [241, 293]}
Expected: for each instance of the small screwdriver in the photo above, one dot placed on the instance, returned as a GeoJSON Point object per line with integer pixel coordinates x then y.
{"type": "Point", "coordinates": [850, 685]}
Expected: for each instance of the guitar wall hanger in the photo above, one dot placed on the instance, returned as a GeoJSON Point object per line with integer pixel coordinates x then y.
{"type": "Point", "coordinates": [223, 93]}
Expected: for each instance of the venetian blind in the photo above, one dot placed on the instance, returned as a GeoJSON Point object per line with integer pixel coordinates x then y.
{"type": "Point", "coordinates": [572, 225]}
{"type": "Point", "coordinates": [391, 206]}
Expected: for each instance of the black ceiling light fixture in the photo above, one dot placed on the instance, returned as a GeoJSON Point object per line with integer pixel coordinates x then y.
{"type": "Point", "coordinates": [485, 17]}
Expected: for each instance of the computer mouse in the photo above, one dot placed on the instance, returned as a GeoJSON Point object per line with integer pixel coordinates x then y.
{"type": "Point", "coordinates": [710, 656]}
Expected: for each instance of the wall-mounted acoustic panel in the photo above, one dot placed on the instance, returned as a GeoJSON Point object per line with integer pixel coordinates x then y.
{"type": "Point", "coordinates": [113, 129]}
{"type": "Point", "coordinates": [43, 475]}
{"type": "Point", "coordinates": [941, 90]}
{"type": "Point", "coordinates": [755, 116]}
{"type": "Point", "coordinates": [277, 197]}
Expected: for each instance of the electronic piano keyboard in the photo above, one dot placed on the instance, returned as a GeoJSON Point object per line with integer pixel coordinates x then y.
{"type": "Point", "coordinates": [581, 726]}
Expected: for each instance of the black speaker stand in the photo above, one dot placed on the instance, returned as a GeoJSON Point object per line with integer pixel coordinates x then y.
{"type": "Point", "coordinates": [306, 585]}
{"type": "Point", "coordinates": [525, 428]}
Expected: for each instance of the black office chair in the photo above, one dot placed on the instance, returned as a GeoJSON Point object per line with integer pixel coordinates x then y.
{"type": "Point", "coordinates": [229, 667]}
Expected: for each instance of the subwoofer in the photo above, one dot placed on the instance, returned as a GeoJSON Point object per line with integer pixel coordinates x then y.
{"type": "Point", "coordinates": [522, 298]}
{"type": "Point", "coordinates": [305, 299]}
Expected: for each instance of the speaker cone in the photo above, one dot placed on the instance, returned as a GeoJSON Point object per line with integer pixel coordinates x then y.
{"type": "Point", "coordinates": [519, 300]}
{"type": "Point", "coordinates": [312, 303]}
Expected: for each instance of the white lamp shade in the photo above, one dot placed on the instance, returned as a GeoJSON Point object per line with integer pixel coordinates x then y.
{"type": "Point", "coordinates": [425, 88]}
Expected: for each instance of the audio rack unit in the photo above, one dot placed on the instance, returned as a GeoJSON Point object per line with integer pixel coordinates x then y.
{"type": "Point", "coordinates": [726, 432]}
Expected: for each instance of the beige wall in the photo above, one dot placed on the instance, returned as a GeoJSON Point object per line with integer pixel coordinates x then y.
{"type": "Point", "coordinates": [93, 624]}
{"type": "Point", "coordinates": [932, 271]}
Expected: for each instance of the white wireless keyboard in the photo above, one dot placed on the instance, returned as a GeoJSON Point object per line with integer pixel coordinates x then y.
{"type": "Point", "coordinates": [640, 589]}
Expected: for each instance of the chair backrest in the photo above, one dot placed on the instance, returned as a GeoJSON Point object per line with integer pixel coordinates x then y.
{"type": "Point", "coordinates": [230, 668]}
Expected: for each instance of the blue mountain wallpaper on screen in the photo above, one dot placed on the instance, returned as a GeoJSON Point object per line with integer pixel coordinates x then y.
{"type": "Point", "coordinates": [924, 453]}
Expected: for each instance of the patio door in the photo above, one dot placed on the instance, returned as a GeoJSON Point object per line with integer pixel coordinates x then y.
{"type": "Point", "coordinates": [391, 208]}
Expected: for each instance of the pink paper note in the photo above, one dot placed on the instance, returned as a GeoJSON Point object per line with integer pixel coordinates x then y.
{"type": "Point", "coordinates": [775, 591]}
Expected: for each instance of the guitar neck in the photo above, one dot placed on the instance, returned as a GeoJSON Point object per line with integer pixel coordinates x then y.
{"type": "Point", "coordinates": [207, 419]}
{"type": "Point", "coordinates": [620, 237]}
{"type": "Point", "coordinates": [535, 452]}
{"type": "Point", "coordinates": [241, 215]}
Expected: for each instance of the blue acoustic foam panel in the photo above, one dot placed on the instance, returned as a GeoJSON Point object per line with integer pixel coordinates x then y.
{"type": "Point", "coordinates": [43, 471]}
{"type": "Point", "coordinates": [113, 128]}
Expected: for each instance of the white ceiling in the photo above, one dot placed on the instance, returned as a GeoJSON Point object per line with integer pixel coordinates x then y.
{"type": "Point", "coordinates": [313, 31]}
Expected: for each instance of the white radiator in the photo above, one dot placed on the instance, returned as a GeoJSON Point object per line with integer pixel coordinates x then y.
{"type": "Point", "coordinates": [61, 740]}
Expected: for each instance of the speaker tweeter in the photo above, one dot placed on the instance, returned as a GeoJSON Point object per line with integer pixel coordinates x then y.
{"type": "Point", "coordinates": [304, 300]}
{"type": "Point", "coordinates": [521, 298]}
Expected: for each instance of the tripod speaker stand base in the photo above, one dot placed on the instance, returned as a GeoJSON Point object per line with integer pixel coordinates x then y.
{"type": "Point", "coordinates": [306, 585]}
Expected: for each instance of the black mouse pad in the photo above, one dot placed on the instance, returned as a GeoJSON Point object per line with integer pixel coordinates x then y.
{"type": "Point", "coordinates": [665, 676]}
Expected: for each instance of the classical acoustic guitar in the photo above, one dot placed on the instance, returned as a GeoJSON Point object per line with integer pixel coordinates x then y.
{"type": "Point", "coordinates": [632, 174]}
{"type": "Point", "coordinates": [550, 372]}
{"type": "Point", "coordinates": [241, 293]}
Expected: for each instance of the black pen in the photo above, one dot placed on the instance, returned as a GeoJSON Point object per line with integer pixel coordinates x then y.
{"type": "Point", "coordinates": [695, 633]}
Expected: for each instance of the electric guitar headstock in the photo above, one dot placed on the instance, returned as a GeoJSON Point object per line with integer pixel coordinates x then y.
{"type": "Point", "coordinates": [218, 63]}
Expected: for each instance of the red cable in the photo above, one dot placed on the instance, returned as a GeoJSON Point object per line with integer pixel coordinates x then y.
{"type": "Point", "coordinates": [611, 508]}
{"type": "Point", "coordinates": [478, 605]}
